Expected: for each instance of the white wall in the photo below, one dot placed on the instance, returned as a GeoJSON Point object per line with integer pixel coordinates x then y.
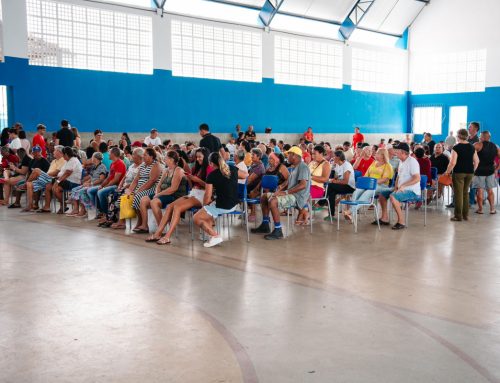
{"type": "Point", "coordinates": [460, 25]}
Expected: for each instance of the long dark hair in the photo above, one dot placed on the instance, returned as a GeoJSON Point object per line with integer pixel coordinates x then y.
{"type": "Point", "coordinates": [178, 160]}
{"type": "Point", "coordinates": [201, 169]}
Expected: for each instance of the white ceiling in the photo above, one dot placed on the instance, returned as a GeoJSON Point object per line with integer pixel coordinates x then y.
{"type": "Point", "coordinates": [388, 16]}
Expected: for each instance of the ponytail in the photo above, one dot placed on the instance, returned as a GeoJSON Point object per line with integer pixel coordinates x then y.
{"type": "Point", "coordinates": [218, 160]}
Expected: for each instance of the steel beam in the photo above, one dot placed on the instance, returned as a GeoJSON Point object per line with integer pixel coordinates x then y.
{"type": "Point", "coordinates": [269, 10]}
{"type": "Point", "coordinates": [352, 20]}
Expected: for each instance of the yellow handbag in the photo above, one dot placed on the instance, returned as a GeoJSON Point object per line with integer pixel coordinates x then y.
{"type": "Point", "coordinates": [126, 209]}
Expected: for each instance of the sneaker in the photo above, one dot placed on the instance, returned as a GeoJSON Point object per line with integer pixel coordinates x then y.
{"type": "Point", "coordinates": [276, 234]}
{"type": "Point", "coordinates": [262, 229]}
{"type": "Point", "coordinates": [213, 241]}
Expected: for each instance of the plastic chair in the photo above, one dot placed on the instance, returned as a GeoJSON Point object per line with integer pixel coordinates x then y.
{"type": "Point", "coordinates": [363, 183]}
{"type": "Point", "coordinates": [357, 174]}
{"type": "Point", "coordinates": [422, 198]}
{"type": "Point", "coordinates": [434, 186]}
{"type": "Point", "coordinates": [269, 182]}
{"type": "Point", "coordinates": [323, 198]}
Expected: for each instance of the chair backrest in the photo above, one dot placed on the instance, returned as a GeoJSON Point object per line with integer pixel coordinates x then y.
{"type": "Point", "coordinates": [269, 182]}
{"type": "Point", "coordinates": [357, 174]}
{"type": "Point", "coordinates": [242, 191]}
{"type": "Point", "coordinates": [423, 182]}
{"type": "Point", "coordinates": [366, 183]}
{"type": "Point", "coordinates": [434, 173]}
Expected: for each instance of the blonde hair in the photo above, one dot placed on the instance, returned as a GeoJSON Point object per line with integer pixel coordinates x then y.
{"type": "Point", "coordinates": [385, 155]}
{"type": "Point", "coordinates": [218, 160]}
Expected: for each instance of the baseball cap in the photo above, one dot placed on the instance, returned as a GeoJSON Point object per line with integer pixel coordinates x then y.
{"type": "Point", "coordinates": [154, 130]}
{"type": "Point", "coordinates": [403, 146]}
{"type": "Point", "coordinates": [295, 150]}
{"type": "Point", "coordinates": [137, 144]}
{"type": "Point", "coordinates": [36, 148]}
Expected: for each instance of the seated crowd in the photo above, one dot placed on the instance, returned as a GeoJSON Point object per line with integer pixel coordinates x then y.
{"type": "Point", "coordinates": [171, 180]}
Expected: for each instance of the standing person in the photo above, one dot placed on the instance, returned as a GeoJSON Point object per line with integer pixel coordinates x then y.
{"type": "Point", "coordinates": [429, 142]}
{"type": "Point", "coordinates": [25, 143]}
{"type": "Point", "coordinates": [78, 139]}
{"type": "Point", "coordinates": [484, 176]}
{"type": "Point", "coordinates": [463, 163]}
{"type": "Point", "coordinates": [250, 134]}
{"type": "Point", "coordinates": [15, 142]}
{"type": "Point", "coordinates": [222, 181]}
{"type": "Point", "coordinates": [357, 138]}
{"type": "Point", "coordinates": [153, 139]}
{"type": "Point", "coordinates": [209, 141]}
{"type": "Point", "coordinates": [309, 136]}
{"type": "Point", "coordinates": [64, 136]}
{"type": "Point", "coordinates": [450, 141]}
{"type": "Point", "coordinates": [296, 196]}
{"type": "Point", "coordinates": [473, 131]}
{"type": "Point", "coordinates": [39, 139]}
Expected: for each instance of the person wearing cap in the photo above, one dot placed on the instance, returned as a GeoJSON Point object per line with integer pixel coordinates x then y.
{"type": "Point", "coordinates": [39, 139]}
{"type": "Point", "coordinates": [80, 199]}
{"type": "Point", "coordinates": [295, 196]}
{"type": "Point", "coordinates": [65, 136]}
{"type": "Point", "coordinates": [153, 139]}
{"type": "Point", "coordinates": [407, 187]}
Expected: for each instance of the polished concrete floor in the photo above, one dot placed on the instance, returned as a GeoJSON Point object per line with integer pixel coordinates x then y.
{"type": "Point", "coordinates": [82, 304]}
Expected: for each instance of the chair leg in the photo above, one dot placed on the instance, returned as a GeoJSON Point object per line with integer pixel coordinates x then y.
{"type": "Point", "coordinates": [329, 210]}
{"type": "Point", "coordinates": [407, 210]}
{"type": "Point", "coordinates": [310, 215]}
{"type": "Point", "coordinates": [245, 206]}
{"type": "Point", "coordinates": [425, 211]}
{"type": "Point", "coordinates": [355, 211]}
{"type": "Point", "coordinates": [376, 216]}
{"type": "Point", "coordinates": [338, 216]}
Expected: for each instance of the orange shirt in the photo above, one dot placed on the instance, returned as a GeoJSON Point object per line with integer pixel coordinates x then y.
{"type": "Point", "coordinates": [309, 136]}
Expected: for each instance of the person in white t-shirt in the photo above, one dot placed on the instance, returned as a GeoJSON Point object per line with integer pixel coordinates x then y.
{"type": "Point", "coordinates": [69, 177]}
{"type": "Point", "coordinates": [153, 139]}
{"type": "Point", "coordinates": [231, 146]}
{"type": "Point", "coordinates": [407, 186]}
{"type": "Point", "coordinates": [239, 160]}
{"type": "Point", "coordinates": [15, 141]}
{"type": "Point", "coordinates": [343, 183]}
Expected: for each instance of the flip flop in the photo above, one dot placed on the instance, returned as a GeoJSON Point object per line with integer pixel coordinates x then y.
{"type": "Point", "coordinates": [118, 227]}
{"type": "Point", "coordinates": [141, 231]}
{"type": "Point", "coordinates": [162, 242]}
{"type": "Point", "coordinates": [493, 212]}
{"type": "Point", "coordinates": [43, 211]}
{"type": "Point", "coordinates": [152, 239]}
{"type": "Point", "coordinates": [479, 212]}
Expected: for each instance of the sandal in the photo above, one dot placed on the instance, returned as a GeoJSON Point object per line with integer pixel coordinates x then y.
{"type": "Point", "coordinates": [116, 227]}
{"type": "Point", "coordinates": [141, 231]}
{"type": "Point", "coordinates": [163, 241]}
{"type": "Point", "coordinates": [14, 206]}
{"type": "Point", "coordinates": [455, 219]}
{"type": "Point", "coordinates": [398, 226]}
{"type": "Point", "coordinates": [382, 223]}
{"type": "Point", "coordinates": [152, 238]}
{"type": "Point", "coordinates": [43, 211]}
{"type": "Point", "coordinates": [479, 212]}
{"type": "Point", "coordinates": [493, 212]}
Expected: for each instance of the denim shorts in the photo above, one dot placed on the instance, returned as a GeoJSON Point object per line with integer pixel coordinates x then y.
{"type": "Point", "coordinates": [164, 199]}
{"type": "Point", "coordinates": [484, 182]}
{"type": "Point", "coordinates": [404, 196]}
{"type": "Point", "coordinates": [214, 211]}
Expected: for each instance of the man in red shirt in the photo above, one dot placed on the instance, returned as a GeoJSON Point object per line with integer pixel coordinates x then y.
{"type": "Point", "coordinates": [117, 170]}
{"type": "Point", "coordinates": [357, 138]}
{"type": "Point", "coordinates": [39, 139]}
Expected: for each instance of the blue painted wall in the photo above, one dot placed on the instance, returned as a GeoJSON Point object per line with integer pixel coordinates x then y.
{"type": "Point", "coordinates": [483, 107]}
{"type": "Point", "coordinates": [125, 102]}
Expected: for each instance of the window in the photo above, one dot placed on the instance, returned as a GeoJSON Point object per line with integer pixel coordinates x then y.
{"type": "Point", "coordinates": [379, 71]}
{"type": "Point", "coordinates": [307, 62]}
{"type": "Point", "coordinates": [449, 72]}
{"type": "Point", "coordinates": [208, 51]}
{"type": "Point", "coordinates": [427, 119]}
{"type": "Point", "coordinates": [70, 36]}
{"type": "Point", "coordinates": [458, 118]}
{"type": "Point", "coordinates": [4, 121]}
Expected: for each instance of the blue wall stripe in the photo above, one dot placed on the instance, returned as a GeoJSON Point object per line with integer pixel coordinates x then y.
{"type": "Point", "coordinates": [481, 106]}
{"type": "Point", "coordinates": [128, 102]}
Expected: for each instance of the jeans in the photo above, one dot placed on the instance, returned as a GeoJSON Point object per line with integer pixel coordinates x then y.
{"type": "Point", "coordinates": [100, 197]}
{"type": "Point", "coordinates": [461, 183]}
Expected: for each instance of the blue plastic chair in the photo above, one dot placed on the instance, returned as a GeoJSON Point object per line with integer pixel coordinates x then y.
{"type": "Point", "coordinates": [422, 198]}
{"type": "Point", "coordinates": [363, 183]}
{"type": "Point", "coordinates": [269, 182]}
{"type": "Point", "coordinates": [357, 174]}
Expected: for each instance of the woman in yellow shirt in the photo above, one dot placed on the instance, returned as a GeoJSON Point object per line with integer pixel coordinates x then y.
{"type": "Point", "coordinates": [382, 171]}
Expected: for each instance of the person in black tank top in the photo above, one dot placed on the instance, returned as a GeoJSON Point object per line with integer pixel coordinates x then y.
{"type": "Point", "coordinates": [484, 176]}
{"type": "Point", "coordinates": [463, 163]}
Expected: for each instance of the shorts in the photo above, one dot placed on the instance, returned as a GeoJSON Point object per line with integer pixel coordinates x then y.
{"type": "Point", "coordinates": [317, 192]}
{"type": "Point", "coordinates": [68, 185]}
{"type": "Point", "coordinates": [404, 196]}
{"type": "Point", "coordinates": [214, 211]}
{"type": "Point", "coordinates": [484, 182]}
{"type": "Point", "coordinates": [285, 201]}
{"type": "Point", "coordinates": [42, 181]}
{"type": "Point", "coordinates": [199, 194]}
{"type": "Point", "coordinates": [164, 199]}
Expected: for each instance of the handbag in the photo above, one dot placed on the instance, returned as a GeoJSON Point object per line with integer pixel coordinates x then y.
{"type": "Point", "coordinates": [445, 179]}
{"type": "Point", "coordinates": [126, 209]}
